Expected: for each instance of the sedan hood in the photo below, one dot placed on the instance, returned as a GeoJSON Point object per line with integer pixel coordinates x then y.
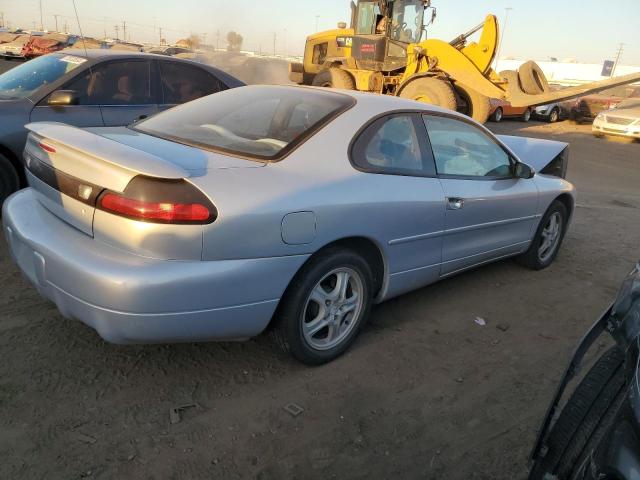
{"type": "Point", "coordinates": [193, 160]}
{"type": "Point", "coordinates": [534, 152]}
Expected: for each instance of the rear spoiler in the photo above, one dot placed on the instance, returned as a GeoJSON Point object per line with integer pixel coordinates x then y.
{"type": "Point", "coordinates": [106, 151]}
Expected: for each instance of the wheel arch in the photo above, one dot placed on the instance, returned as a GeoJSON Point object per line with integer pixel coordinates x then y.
{"type": "Point", "coordinates": [569, 202]}
{"type": "Point", "coordinates": [13, 158]}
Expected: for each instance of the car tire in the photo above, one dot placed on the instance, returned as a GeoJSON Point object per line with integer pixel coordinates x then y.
{"type": "Point", "coordinates": [537, 257]}
{"type": "Point", "coordinates": [532, 79]}
{"type": "Point", "coordinates": [334, 78]}
{"type": "Point", "coordinates": [497, 115]}
{"type": "Point", "coordinates": [477, 105]}
{"type": "Point", "coordinates": [431, 90]}
{"type": "Point", "coordinates": [313, 301]}
{"type": "Point", "coordinates": [554, 116]}
{"type": "Point", "coordinates": [526, 116]}
{"type": "Point", "coordinates": [9, 179]}
{"type": "Point", "coordinates": [584, 419]}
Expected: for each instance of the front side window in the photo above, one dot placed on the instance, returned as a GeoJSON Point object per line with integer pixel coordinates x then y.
{"type": "Point", "coordinates": [369, 16]}
{"type": "Point", "coordinates": [392, 145]}
{"type": "Point", "coordinates": [406, 25]}
{"type": "Point", "coordinates": [114, 83]}
{"type": "Point", "coordinates": [183, 83]}
{"type": "Point", "coordinates": [21, 81]}
{"type": "Point", "coordinates": [262, 122]}
{"type": "Point", "coordinates": [461, 149]}
{"type": "Point", "coordinates": [320, 53]}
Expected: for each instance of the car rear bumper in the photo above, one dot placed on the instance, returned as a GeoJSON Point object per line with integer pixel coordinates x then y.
{"type": "Point", "coordinates": [132, 299]}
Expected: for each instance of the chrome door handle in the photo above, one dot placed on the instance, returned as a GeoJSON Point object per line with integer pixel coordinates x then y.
{"type": "Point", "coordinates": [455, 203]}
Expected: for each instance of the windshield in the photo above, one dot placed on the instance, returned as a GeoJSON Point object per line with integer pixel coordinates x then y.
{"type": "Point", "coordinates": [406, 25]}
{"type": "Point", "coordinates": [369, 17]}
{"type": "Point", "coordinates": [261, 122]}
{"type": "Point", "coordinates": [20, 82]}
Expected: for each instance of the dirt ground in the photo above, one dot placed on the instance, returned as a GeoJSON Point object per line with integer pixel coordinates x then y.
{"type": "Point", "coordinates": [424, 393]}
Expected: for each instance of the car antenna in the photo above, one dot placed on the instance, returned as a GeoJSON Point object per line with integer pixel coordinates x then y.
{"type": "Point", "coordinates": [84, 44]}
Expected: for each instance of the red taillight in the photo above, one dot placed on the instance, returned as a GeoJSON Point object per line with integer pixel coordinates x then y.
{"type": "Point", "coordinates": [165, 212]}
{"type": "Point", "coordinates": [47, 148]}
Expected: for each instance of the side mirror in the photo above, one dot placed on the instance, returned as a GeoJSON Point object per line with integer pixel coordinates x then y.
{"type": "Point", "coordinates": [63, 98]}
{"type": "Point", "coordinates": [522, 170]}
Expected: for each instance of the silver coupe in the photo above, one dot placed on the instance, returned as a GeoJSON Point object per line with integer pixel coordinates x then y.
{"type": "Point", "coordinates": [291, 208]}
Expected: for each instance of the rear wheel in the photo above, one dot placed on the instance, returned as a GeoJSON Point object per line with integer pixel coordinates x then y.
{"type": "Point", "coordinates": [584, 419]}
{"type": "Point", "coordinates": [526, 116]}
{"type": "Point", "coordinates": [497, 115]}
{"type": "Point", "coordinates": [9, 179]}
{"type": "Point", "coordinates": [475, 105]}
{"type": "Point", "coordinates": [554, 116]}
{"type": "Point", "coordinates": [431, 90]}
{"type": "Point", "coordinates": [335, 78]}
{"type": "Point", "coordinates": [325, 306]}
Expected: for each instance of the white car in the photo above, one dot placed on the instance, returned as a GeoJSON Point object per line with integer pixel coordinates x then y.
{"type": "Point", "coordinates": [623, 121]}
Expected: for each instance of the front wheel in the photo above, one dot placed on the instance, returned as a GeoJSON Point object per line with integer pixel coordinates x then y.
{"type": "Point", "coordinates": [554, 116]}
{"type": "Point", "coordinates": [497, 115]}
{"type": "Point", "coordinates": [325, 306]}
{"type": "Point", "coordinates": [548, 239]}
{"type": "Point", "coordinates": [526, 116]}
{"type": "Point", "coordinates": [334, 78]}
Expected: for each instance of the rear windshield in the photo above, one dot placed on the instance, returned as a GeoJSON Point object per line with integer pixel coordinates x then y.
{"type": "Point", "coordinates": [261, 122]}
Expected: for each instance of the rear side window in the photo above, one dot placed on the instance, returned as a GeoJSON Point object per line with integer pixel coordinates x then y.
{"type": "Point", "coordinates": [184, 83]}
{"type": "Point", "coordinates": [394, 144]}
{"type": "Point", "coordinates": [320, 53]}
{"type": "Point", "coordinates": [261, 122]}
{"type": "Point", "coordinates": [115, 83]}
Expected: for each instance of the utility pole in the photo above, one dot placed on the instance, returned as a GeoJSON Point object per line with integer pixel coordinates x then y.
{"type": "Point", "coordinates": [41, 21]}
{"type": "Point", "coordinates": [66, 27]}
{"type": "Point", "coordinates": [285, 42]}
{"type": "Point", "coordinates": [160, 31]}
{"type": "Point", "coordinates": [618, 57]}
{"type": "Point", "coordinates": [504, 29]}
{"type": "Point", "coordinates": [2, 19]}
{"type": "Point", "coordinates": [204, 38]}
{"type": "Point", "coordinates": [275, 37]}
{"type": "Point", "coordinates": [117, 28]}
{"type": "Point", "coordinates": [34, 26]}
{"type": "Point", "coordinates": [56, 17]}
{"type": "Point", "coordinates": [124, 30]}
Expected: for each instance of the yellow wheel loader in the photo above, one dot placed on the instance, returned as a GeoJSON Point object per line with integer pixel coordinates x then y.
{"type": "Point", "coordinates": [385, 52]}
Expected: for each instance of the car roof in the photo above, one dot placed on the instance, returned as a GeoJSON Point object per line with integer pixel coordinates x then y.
{"type": "Point", "coordinates": [101, 54]}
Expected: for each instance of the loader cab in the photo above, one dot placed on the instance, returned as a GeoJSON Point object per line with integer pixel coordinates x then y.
{"type": "Point", "coordinates": [383, 31]}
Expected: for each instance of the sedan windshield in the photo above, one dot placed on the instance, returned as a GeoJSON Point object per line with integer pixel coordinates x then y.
{"type": "Point", "coordinates": [261, 122]}
{"type": "Point", "coordinates": [22, 81]}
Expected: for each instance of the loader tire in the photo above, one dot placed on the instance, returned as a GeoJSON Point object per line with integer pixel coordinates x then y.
{"type": "Point", "coordinates": [431, 90]}
{"type": "Point", "coordinates": [532, 79]}
{"type": "Point", "coordinates": [334, 78]}
{"type": "Point", "coordinates": [476, 105]}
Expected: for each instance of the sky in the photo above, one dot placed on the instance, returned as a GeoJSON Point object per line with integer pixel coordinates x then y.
{"type": "Point", "coordinates": [584, 30]}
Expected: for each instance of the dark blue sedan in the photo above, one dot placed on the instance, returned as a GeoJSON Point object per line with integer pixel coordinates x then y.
{"type": "Point", "coordinates": [93, 88]}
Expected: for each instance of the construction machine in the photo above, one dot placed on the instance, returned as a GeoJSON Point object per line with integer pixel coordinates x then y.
{"type": "Point", "coordinates": [386, 51]}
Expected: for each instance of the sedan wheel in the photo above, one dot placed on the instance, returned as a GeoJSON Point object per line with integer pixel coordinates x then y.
{"type": "Point", "coordinates": [551, 235]}
{"type": "Point", "coordinates": [332, 308]}
{"type": "Point", "coordinates": [554, 116]}
{"type": "Point", "coordinates": [548, 239]}
{"type": "Point", "coordinates": [326, 304]}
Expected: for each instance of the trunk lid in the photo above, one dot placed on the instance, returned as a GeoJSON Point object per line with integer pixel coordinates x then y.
{"type": "Point", "coordinates": [69, 167]}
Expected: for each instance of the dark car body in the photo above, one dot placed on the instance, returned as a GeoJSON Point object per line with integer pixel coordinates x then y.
{"type": "Point", "coordinates": [111, 88]}
{"type": "Point", "coordinates": [613, 449]}
{"type": "Point", "coordinates": [588, 107]}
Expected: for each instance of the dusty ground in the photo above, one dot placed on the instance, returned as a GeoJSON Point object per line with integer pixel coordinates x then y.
{"type": "Point", "coordinates": [424, 393]}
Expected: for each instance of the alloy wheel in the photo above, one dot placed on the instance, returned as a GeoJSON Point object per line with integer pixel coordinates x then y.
{"type": "Point", "coordinates": [332, 308]}
{"type": "Point", "coordinates": [550, 239]}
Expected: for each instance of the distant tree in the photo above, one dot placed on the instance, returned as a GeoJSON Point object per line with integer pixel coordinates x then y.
{"type": "Point", "coordinates": [194, 42]}
{"type": "Point", "coordinates": [234, 41]}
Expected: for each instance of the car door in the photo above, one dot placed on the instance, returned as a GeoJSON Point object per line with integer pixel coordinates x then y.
{"type": "Point", "coordinates": [490, 213]}
{"type": "Point", "coordinates": [181, 82]}
{"type": "Point", "coordinates": [85, 113]}
{"type": "Point", "coordinates": [411, 211]}
{"type": "Point", "coordinates": [126, 91]}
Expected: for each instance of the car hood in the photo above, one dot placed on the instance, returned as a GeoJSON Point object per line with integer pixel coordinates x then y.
{"type": "Point", "coordinates": [632, 113]}
{"type": "Point", "coordinates": [194, 160]}
{"type": "Point", "coordinates": [535, 152]}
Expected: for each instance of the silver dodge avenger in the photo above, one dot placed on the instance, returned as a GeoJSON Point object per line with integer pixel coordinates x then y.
{"type": "Point", "coordinates": [285, 207]}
